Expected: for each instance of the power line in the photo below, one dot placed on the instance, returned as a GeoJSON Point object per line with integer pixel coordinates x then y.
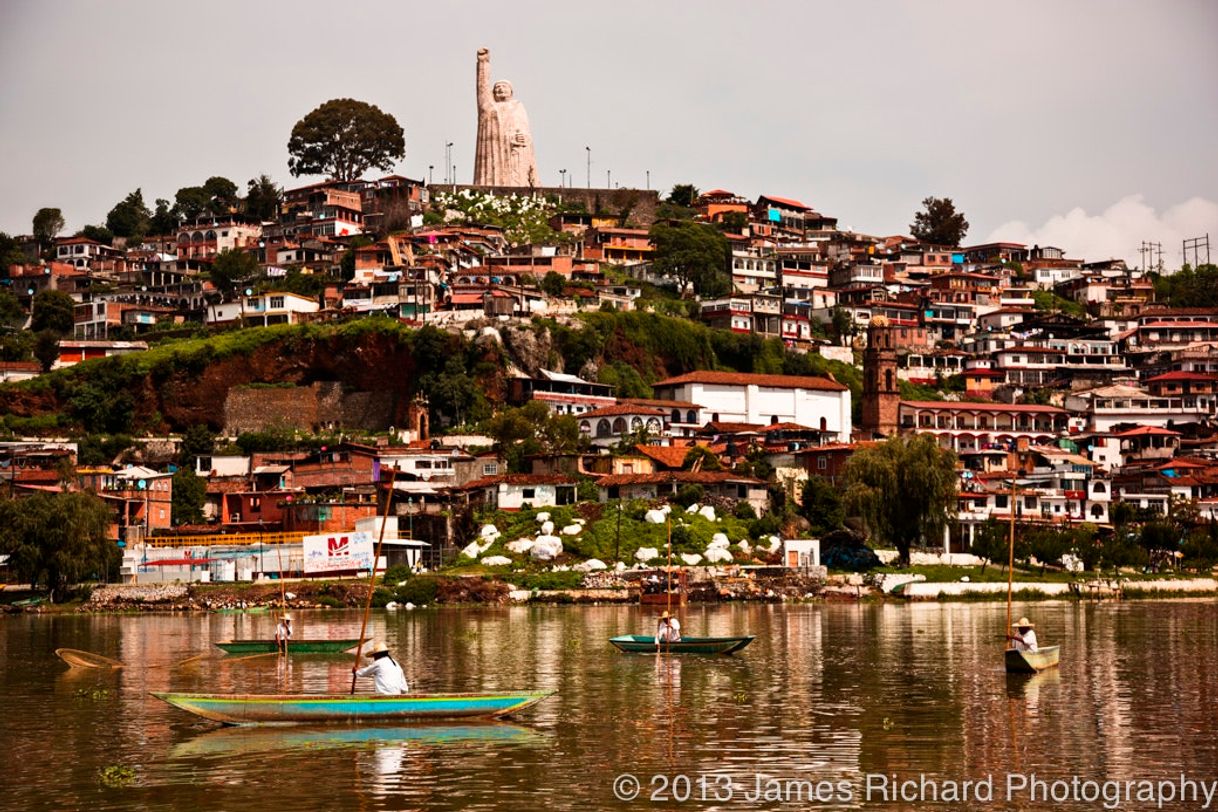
{"type": "Point", "coordinates": [1197, 243]}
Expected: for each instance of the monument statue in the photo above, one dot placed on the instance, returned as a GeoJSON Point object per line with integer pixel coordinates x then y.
{"type": "Point", "coordinates": [504, 154]}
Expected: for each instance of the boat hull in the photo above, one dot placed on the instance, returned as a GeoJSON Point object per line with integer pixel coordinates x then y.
{"type": "Point", "coordinates": [288, 709]}
{"type": "Point", "coordinates": [1031, 662]}
{"type": "Point", "coordinates": [646, 644]}
{"type": "Point", "coordinates": [294, 646]}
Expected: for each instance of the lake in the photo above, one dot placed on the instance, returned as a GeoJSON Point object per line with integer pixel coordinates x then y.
{"type": "Point", "coordinates": [834, 706]}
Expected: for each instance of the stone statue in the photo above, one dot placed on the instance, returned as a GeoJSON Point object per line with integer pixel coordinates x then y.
{"type": "Point", "coordinates": [504, 155]}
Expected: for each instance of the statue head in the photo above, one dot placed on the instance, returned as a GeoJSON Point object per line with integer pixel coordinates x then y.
{"type": "Point", "coordinates": [502, 90]}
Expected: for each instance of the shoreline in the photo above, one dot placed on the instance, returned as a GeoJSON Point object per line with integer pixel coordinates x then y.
{"type": "Point", "coordinates": [495, 590]}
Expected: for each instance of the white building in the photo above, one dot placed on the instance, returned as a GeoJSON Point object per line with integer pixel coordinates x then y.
{"type": "Point", "coordinates": [736, 397]}
{"type": "Point", "coordinates": [263, 309]}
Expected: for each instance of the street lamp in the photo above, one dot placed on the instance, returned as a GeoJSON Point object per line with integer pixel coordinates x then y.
{"type": "Point", "coordinates": [562, 183]}
{"type": "Point", "coordinates": [608, 179]}
{"type": "Point", "coordinates": [430, 168]}
{"type": "Point", "coordinates": [448, 161]}
{"type": "Point", "coordinates": [589, 151]}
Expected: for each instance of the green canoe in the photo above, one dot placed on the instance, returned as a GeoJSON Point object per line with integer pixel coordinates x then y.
{"type": "Point", "coordinates": [294, 646]}
{"type": "Point", "coordinates": [646, 644]}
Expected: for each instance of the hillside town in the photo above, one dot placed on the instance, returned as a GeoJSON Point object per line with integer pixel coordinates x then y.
{"type": "Point", "coordinates": [1065, 373]}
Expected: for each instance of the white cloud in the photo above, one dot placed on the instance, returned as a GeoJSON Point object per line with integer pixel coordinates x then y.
{"type": "Point", "coordinates": [1119, 230]}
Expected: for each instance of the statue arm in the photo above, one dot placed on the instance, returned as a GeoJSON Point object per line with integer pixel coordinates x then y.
{"type": "Point", "coordinates": [485, 99]}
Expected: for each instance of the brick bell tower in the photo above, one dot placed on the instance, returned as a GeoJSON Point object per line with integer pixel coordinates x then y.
{"type": "Point", "coordinates": [881, 393]}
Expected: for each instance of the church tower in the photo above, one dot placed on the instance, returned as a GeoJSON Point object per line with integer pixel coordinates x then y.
{"type": "Point", "coordinates": [880, 389]}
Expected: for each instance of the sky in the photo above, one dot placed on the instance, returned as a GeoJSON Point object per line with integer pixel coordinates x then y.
{"type": "Point", "coordinates": [1088, 125]}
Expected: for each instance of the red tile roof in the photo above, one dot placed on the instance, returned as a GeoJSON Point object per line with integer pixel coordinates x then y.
{"type": "Point", "coordinates": [750, 379]}
{"type": "Point", "coordinates": [519, 479]}
{"type": "Point", "coordinates": [966, 406]}
{"type": "Point", "coordinates": [694, 477]}
{"type": "Point", "coordinates": [1146, 431]}
{"type": "Point", "coordinates": [1183, 376]}
{"type": "Point", "coordinates": [786, 201]}
{"type": "Point", "coordinates": [668, 456]}
{"type": "Point", "coordinates": [620, 409]}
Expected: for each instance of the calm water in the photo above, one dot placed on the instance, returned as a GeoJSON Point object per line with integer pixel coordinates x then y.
{"type": "Point", "coordinates": [826, 693]}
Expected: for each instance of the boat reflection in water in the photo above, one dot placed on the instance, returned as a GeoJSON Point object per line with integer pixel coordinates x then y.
{"type": "Point", "coordinates": [231, 741]}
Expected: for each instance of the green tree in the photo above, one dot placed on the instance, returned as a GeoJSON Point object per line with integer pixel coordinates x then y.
{"type": "Point", "coordinates": [529, 430]}
{"type": "Point", "coordinates": [904, 489]}
{"type": "Point", "coordinates": [821, 504]}
{"type": "Point", "coordinates": [191, 202]}
{"type": "Point", "coordinates": [47, 225]}
{"type": "Point", "coordinates": [230, 268]}
{"type": "Point", "coordinates": [12, 314]}
{"type": "Point", "coordinates": [343, 138]}
{"type": "Point", "coordinates": [10, 253]}
{"type": "Point", "coordinates": [991, 543]}
{"type": "Point", "coordinates": [99, 234]}
{"type": "Point", "coordinates": [702, 457]}
{"type": "Point", "coordinates": [46, 348]}
{"type": "Point", "coordinates": [164, 219]}
{"type": "Point", "coordinates": [1048, 544]}
{"type": "Point", "coordinates": [262, 198]}
{"type": "Point", "coordinates": [684, 194]}
{"type": "Point", "coordinates": [197, 441]}
{"type": "Point", "coordinates": [1188, 287]}
{"type": "Point", "coordinates": [189, 496]}
{"type": "Point", "coordinates": [221, 195]}
{"type": "Point", "coordinates": [939, 223]}
{"type": "Point", "coordinates": [55, 540]}
{"type": "Point", "coordinates": [130, 218]}
{"type": "Point", "coordinates": [695, 254]}
{"type": "Point", "coordinates": [53, 310]}
{"type": "Point", "coordinates": [553, 283]}
{"type": "Point", "coordinates": [733, 222]}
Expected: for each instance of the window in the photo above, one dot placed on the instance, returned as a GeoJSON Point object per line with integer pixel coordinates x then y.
{"type": "Point", "coordinates": [490, 469]}
{"type": "Point", "coordinates": [277, 302]}
{"type": "Point", "coordinates": [822, 462]}
{"type": "Point", "coordinates": [528, 493]}
{"type": "Point", "coordinates": [423, 465]}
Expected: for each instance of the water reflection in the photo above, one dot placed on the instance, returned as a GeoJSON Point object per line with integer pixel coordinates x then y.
{"type": "Point", "coordinates": [824, 692]}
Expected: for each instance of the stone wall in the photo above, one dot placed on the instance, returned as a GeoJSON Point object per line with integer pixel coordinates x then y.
{"type": "Point", "coordinates": [323, 405]}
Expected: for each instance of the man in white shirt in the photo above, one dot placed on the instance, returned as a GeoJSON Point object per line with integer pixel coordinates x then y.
{"type": "Point", "coordinates": [385, 671]}
{"type": "Point", "coordinates": [283, 633]}
{"type": "Point", "coordinates": [668, 630]}
{"type": "Point", "coordinates": [1025, 640]}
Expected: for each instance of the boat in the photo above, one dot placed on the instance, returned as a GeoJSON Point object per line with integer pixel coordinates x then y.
{"type": "Point", "coordinates": [242, 610]}
{"type": "Point", "coordinates": [224, 742]}
{"type": "Point", "coordinates": [287, 709]}
{"type": "Point", "coordinates": [646, 644]}
{"type": "Point", "coordinates": [294, 646]}
{"type": "Point", "coordinates": [1032, 662]}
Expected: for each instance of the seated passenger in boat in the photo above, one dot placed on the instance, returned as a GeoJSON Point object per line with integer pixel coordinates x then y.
{"type": "Point", "coordinates": [668, 630]}
{"type": "Point", "coordinates": [385, 671]}
{"type": "Point", "coordinates": [1025, 638]}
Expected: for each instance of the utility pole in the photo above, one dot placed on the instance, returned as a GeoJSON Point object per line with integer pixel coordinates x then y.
{"type": "Point", "coordinates": [1152, 256]}
{"type": "Point", "coordinates": [608, 179]}
{"type": "Point", "coordinates": [589, 151]}
{"type": "Point", "coordinates": [649, 180]}
{"type": "Point", "coordinates": [448, 162]}
{"type": "Point", "coordinates": [1196, 244]}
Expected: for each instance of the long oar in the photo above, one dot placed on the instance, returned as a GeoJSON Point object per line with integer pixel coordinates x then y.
{"type": "Point", "coordinates": [376, 556]}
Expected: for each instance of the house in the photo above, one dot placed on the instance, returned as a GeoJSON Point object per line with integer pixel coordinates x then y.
{"type": "Point", "coordinates": [141, 499]}
{"type": "Point", "coordinates": [972, 426]}
{"type": "Point", "coordinates": [820, 403]}
{"type": "Point", "coordinates": [1105, 408]}
{"type": "Point", "coordinates": [620, 246]}
{"type": "Point", "coordinates": [563, 393]}
{"type": "Point", "coordinates": [516, 491]}
{"type": "Point", "coordinates": [610, 425]}
{"type": "Point", "coordinates": [73, 352]}
{"type": "Point", "coordinates": [264, 309]}
{"type": "Point", "coordinates": [208, 236]}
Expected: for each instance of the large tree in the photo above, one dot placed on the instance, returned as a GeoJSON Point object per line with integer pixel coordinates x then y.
{"type": "Point", "coordinates": [904, 489]}
{"type": "Point", "coordinates": [683, 194]}
{"type": "Point", "coordinates": [190, 202]}
{"type": "Point", "coordinates": [230, 268]}
{"type": "Point", "coordinates": [164, 219]}
{"type": "Point", "coordinates": [222, 194]}
{"type": "Point", "coordinates": [47, 225]}
{"type": "Point", "coordinates": [693, 253]}
{"type": "Point", "coordinates": [130, 218]}
{"type": "Point", "coordinates": [53, 310]}
{"type": "Point", "coordinates": [58, 539]}
{"type": "Point", "coordinates": [343, 138]}
{"type": "Point", "coordinates": [262, 198]}
{"type": "Point", "coordinates": [939, 223]}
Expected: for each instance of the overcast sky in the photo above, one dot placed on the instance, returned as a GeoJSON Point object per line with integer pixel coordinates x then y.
{"type": "Point", "coordinates": [1090, 124]}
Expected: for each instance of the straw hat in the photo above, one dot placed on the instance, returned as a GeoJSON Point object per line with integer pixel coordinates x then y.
{"type": "Point", "coordinates": [286, 616]}
{"type": "Point", "coordinates": [664, 615]}
{"type": "Point", "coordinates": [1023, 623]}
{"type": "Point", "coordinates": [378, 648]}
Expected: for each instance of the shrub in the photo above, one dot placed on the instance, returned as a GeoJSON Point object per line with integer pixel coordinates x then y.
{"type": "Point", "coordinates": [419, 590]}
{"type": "Point", "coordinates": [552, 580]}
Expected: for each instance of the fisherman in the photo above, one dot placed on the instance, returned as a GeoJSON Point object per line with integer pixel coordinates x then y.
{"type": "Point", "coordinates": [668, 630]}
{"type": "Point", "coordinates": [652, 584]}
{"type": "Point", "coordinates": [384, 670]}
{"type": "Point", "coordinates": [1025, 640]}
{"type": "Point", "coordinates": [283, 633]}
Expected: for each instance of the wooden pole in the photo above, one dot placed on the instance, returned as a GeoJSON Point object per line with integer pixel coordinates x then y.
{"type": "Point", "coordinates": [283, 592]}
{"type": "Point", "coordinates": [1010, 565]}
{"type": "Point", "coordinates": [376, 556]}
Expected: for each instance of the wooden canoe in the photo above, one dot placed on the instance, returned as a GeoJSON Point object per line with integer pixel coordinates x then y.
{"type": "Point", "coordinates": [646, 644]}
{"type": "Point", "coordinates": [1030, 662]}
{"type": "Point", "coordinates": [287, 709]}
{"type": "Point", "coordinates": [294, 646]}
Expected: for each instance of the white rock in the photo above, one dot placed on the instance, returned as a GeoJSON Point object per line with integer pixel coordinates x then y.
{"type": "Point", "coordinates": [496, 561]}
{"type": "Point", "coordinates": [546, 548]}
{"type": "Point", "coordinates": [489, 531]}
{"type": "Point", "coordinates": [666, 509]}
{"type": "Point", "coordinates": [619, 567]}
{"type": "Point", "coordinates": [965, 578]}
{"type": "Point", "coordinates": [392, 605]}
{"type": "Point", "coordinates": [560, 568]}
{"type": "Point", "coordinates": [547, 528]}
{"type": "Point", "coordinates": [291, 596]}
{"type": "Point", "coordinates": [409, 606]}
{"type": "Point", "coordinates": [471, 550]}
{"type": "Point", "coordinates": [719, 540]}
{"type": "Point", "coordinates": [590, 565]}
{"type": "Point", "coordinates": [745, 547]}
{"type": "Point", "coordinates": [654, 516]}
{"type": "Point", "coordinates": [580, 522]}
{"type": "Point", "coordinates": [774, 544]}
{"type": "Point", "coordinates": [717, 555]}
{"type": "Point", "coordinates": [646, 553]}
{"type": "Point", "coordinates": [571, 530]}
{"type": "Point", "coordinates": [691, 558]}
{"type": "Point", "coordinates": [707, 512]}
{"type": "Point", "coordinates": [692, 508]}
{"type": "Point", "coordinates": [543, 517]}
{"type": "Point", "coordinates": [520, 546]}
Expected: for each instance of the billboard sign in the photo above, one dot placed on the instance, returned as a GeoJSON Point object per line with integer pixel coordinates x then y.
{"type": "Point", "coordinates": [338, 552]}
